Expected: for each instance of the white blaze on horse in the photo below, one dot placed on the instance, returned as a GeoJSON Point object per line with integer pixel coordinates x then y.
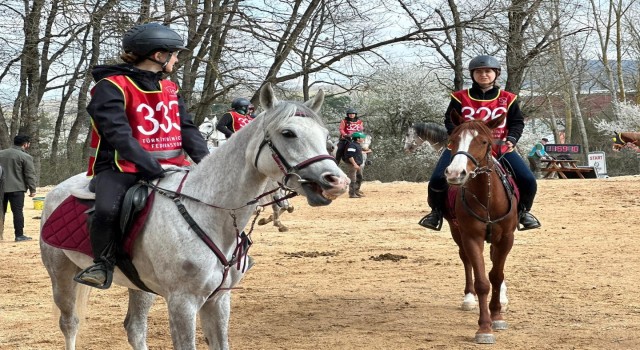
{"type": "Point", "coordinates": [430, 133]}
{"type": "Point", "coordinates": [194, 272]}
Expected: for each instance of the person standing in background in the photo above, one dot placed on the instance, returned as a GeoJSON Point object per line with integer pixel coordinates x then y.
{"type": "Point", "coordinates": [536, 154]}
{"type": "Point", "coordinates": [19, 176]}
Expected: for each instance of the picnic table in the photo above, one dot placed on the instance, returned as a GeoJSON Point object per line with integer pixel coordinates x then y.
{"type": "Point", "coordinates": [564, 167]}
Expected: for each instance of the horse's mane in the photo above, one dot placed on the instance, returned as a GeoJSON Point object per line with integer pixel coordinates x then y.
{"type": "Point", "coordinates": [431, 132]}
{"type": "Point", "coordinates": [283, 111]}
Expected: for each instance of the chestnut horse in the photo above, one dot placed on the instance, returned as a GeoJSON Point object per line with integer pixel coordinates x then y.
{"type": "Point", "coordinates": [626, 139]}
{"type": "Point", "coordinates": [484, 210]}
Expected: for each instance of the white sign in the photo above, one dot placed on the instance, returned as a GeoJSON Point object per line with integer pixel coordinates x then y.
{"type": "Point", "coordinates": [598, 160]}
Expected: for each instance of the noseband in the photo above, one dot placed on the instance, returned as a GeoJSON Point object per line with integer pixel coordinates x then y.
{"type": "Point", "coordinates": [477, 170]}
{"type": "Point", "coordinates": [282, 163]}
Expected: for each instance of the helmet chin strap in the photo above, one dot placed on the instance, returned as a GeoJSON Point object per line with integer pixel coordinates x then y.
{"type": "Point", "coordinates": [164, 64]}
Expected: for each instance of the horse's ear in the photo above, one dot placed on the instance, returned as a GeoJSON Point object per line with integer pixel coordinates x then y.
{"type": "Point", "coordinates": [316, 102]}
{"type": "Point", "coordinates": [494, 123]}
{"type": "Point", "coordinates": [456, 118]}
{"type": "Point", "coordinates": [267, 97]}
{"type": "Point", "coordinates": [206, 119]}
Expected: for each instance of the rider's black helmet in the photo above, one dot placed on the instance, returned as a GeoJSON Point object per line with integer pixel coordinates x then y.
{"type": "Point", "coordinates": [240, 105]}
{"type": "Point", "coordinates": [352, 111]}
{"type": "Point", "coordinates": [145, 39]}
{"type": "Point", "coordinates": [484, 61]}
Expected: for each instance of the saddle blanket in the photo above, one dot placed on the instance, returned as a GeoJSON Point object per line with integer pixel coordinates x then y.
{"type": "Point", "coordinates": [67, 229]}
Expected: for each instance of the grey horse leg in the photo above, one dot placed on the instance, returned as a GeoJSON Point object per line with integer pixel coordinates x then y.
{"type": "Point", "coordinates": [214, 318]}
{"type": "Point", "coordinates": [182, 320]}
{"type": "Point", "coordinates": [61, 271]}
{"type": "Point", "coordinates": [136, 321]}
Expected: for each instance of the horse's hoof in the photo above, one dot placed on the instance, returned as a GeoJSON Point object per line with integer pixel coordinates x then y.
{"type": "Point", "coordinates": [499, 325]}
{"type": "Point", "coordinates": [290, 209]}
{"type": "Point", "coordinates": [283, 229]}
{"type": "Point", "coordinates": [486, 338]}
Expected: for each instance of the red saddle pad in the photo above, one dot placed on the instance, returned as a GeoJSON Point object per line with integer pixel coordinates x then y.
{"type": "Point", "coordinates": [66, 228]}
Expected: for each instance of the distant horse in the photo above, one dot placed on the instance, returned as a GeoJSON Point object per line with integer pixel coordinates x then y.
{"type": "Point", "coordinates": [366, 145]}
{"type": "Point", "coordinates": [192, 266]}
{"type": "Point", "coordinates": [208, 130]}
{"type": "Point", "coordinates": [432, 133]}
{"type": "Point", "coordinates": [626, 140]}
{"type": "Point", "coordinates": [279, 204]}
{"type": "Point", "coordinates": [484, 210]}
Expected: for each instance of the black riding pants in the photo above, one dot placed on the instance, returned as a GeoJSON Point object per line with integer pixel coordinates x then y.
{"type": "Point", "coordinates": [110, 187]}
{"type": "Point", "coordinates": [512, 161]}
{"type": "Point", "coordinates": [16, 199]}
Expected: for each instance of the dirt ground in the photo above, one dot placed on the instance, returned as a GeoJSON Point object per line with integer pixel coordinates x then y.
{"type": "Point", "coordinates": [571, 283]}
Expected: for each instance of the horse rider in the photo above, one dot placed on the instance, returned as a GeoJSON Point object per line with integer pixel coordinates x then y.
{"type": "Point", "coordinates": [348, 126]}
{"type": "Point", "coordinates": [132, 136]}
{"type": "Point", "coordinates": [251, 111]}
{"type": "Point", "coordinates": [236, 118]}
{"type": "Point", "coordinates": [482, 101]}
{"type": "Point", "coordinates": [354, 159]}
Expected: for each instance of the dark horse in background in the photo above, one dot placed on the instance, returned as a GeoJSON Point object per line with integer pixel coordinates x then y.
{"type": "Point", "coordinates": [626, 140]}
{"type": "Point", "coordinates": [419, 133]}
{"type": "Point", "coordinates": [481, 207]}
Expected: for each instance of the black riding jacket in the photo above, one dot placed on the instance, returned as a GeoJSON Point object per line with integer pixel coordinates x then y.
{"type": "Point", "coordinates": [107, 110]}
{"type": "Point", "coordinates": [515, 118]}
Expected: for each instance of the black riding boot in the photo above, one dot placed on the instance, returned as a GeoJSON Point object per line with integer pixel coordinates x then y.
{"type": "Point", "coordinates": [433, 220]}
{"type": "Point", "coordinates": [527, 221]}
{"type": "Point", "coordinates": [100, 274]}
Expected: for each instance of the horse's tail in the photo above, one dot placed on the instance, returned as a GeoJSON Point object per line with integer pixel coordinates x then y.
{"type": "Point", "coordinates": [83, 292]}
{"type": "Point", "coordinates": [82, 298]}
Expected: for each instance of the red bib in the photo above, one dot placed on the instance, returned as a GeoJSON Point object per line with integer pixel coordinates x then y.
{"type": "Point", "coordinates": [154, 118]}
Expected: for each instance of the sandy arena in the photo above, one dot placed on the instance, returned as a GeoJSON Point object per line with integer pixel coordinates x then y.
{"type": "Point", "coordinates": [322, 285]}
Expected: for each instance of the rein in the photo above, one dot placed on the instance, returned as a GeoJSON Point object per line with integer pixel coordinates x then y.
{"type": "Point", "coordinates": [243, 240]}
{"type": "Point", "coordinates": [477, 171]}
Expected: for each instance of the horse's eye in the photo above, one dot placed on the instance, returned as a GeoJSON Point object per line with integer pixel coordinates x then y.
{"type": "Point", "coordinates": [289, 134]}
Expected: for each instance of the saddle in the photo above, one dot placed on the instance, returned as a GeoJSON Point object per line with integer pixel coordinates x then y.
{"type": "Point", "coordinates": [67, 227]}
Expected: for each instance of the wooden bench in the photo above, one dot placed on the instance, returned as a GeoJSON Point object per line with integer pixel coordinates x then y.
{"type": "Point", "coordinates": [567, 169]}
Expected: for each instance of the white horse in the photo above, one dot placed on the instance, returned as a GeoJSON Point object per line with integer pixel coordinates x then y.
{"type": "Point", "coordinates": [287, 143]}
{"type": "Point", "coordinates": [208, 130]}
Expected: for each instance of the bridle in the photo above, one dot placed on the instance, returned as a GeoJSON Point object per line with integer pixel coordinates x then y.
{"type": "Point", "coordinates": [478, 170]}
{"type": "Point", "coordinates": [287, 169]}
{"type": "Point", "coordinates": [207, 135]}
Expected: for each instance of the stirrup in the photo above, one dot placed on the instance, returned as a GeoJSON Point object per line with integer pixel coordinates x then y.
{"type": "Point", "coordinates": [424, 222]}
{"type": "Point", "coordinates": [533, 224]}
{"type": "Point", "coordinates": [107, 282]}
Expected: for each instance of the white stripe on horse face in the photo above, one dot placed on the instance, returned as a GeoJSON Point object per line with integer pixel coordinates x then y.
{"type": "Point", "coordinates": [459, 162]}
